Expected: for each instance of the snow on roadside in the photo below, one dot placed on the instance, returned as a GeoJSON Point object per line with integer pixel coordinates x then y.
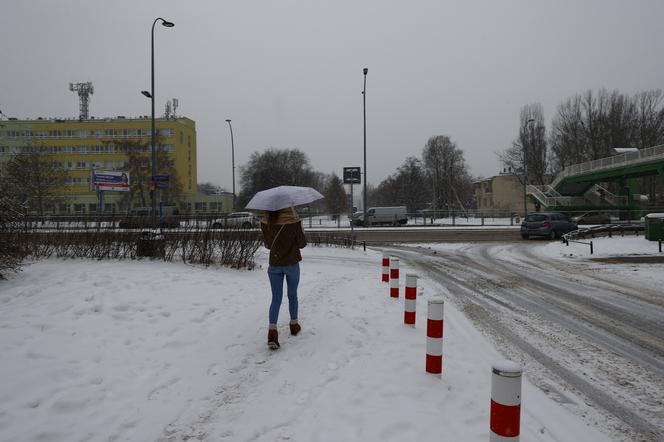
{"type": "Point", "coordinates": [140, 350]}
{"type": "Point", "coordinates": [646, 274]}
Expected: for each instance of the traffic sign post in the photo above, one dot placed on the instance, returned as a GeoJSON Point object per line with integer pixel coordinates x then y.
{"type": "Point", "coordinates": [352, 175]}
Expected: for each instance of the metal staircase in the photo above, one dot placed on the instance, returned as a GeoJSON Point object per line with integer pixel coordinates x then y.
{"type": "Point", "coordinates": [550, 199]}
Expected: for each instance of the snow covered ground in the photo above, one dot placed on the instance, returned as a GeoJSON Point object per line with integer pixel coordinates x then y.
{"type": "Point", "coordinates": [144, 351]}
{"type": "Point", "coordinates": [647, 274]}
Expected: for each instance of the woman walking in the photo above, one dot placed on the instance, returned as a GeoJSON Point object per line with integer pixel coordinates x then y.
{"type": "Point", "coordinates": [284, 237]}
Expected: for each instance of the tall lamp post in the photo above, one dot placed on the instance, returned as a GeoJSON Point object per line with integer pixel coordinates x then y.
{"type": "Point", "coordinates": [150, 95]}
{"type": "Point", "coordinates": [364, 109]}
{"type": "Point", "coordinates": [232, 160]}
{"type": "Point", "coordinates": [525, 170]}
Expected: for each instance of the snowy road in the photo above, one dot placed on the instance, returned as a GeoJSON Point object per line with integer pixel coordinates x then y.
{"type": "Point", "coordinates": [572, 326]}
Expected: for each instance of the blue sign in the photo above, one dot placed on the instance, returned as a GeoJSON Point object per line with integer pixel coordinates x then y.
{"type": "Point", "coordinates": [161, 185]}
{"type": "Point", "coordinates": [160, 177]}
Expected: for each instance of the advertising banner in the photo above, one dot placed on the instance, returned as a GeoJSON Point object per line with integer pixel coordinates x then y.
{"type": "Point", "coordinates": [110, 180]}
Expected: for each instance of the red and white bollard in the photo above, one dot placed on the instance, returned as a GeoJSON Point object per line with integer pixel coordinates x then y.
{"type": "Point", "coordinates": [505, 401]}
{"type": "Point", "coordinates": [394, 277]}
{"type": "Point", "coordinates": [435, 336]}
{"type": "Point", "coordinates": [411, 300]}
{"type": "Point", "coordinates": [386, 268]}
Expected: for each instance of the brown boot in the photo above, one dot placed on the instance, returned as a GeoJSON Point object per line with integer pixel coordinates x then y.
{"type": "Point", "coordinates": [273, 339]}
{"type": "Point", "coordinates": [295, 328]}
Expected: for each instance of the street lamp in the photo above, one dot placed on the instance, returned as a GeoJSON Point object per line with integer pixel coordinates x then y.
{"type": "Point", "coordinates": [233, 160]}
{"type": "Point", "coordinates": [525, 170]}
{"type": "Point", "coordinates": [150, 95]}
{"type": "Point", "coordinates": [364, 109]}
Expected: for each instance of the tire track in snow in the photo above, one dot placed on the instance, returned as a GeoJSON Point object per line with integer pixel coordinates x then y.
{"type": "Point", "coordinates": [462, 279]}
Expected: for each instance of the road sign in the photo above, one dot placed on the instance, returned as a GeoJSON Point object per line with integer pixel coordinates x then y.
{"type": "Point", "coordinates": [352, 175]}
{"type": "Point", "coordinates": [158, 184]}
{"type": "Point", "coordinates": [160, 177]}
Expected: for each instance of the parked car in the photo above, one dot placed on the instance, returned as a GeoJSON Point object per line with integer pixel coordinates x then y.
{"type": "Point", "coordinates": [549, 224]}
{"type": "Point", "coordinates": [243, 220]}
{"type": "Point", "coordinates": [381, 215]}
{"type": "Point", "coordinates": [140, 217]}
{"type": "Point", "coordinates": [593, 217]}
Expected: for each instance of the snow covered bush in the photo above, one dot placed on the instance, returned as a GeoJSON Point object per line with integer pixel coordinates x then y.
{"type": "Point", "coordinates": [12, 249]}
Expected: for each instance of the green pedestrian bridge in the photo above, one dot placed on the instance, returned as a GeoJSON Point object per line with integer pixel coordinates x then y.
{"type": "Point", "coordinates": [579, 186]}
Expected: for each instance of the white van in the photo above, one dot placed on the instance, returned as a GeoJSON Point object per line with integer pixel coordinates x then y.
{"type": "Point", "coordinates": [394, 216]}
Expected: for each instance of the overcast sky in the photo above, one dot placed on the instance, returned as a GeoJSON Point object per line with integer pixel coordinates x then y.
{"type": "Point", "coordinates": [289, 73]}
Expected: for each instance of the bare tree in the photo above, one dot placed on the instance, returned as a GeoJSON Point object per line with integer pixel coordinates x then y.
{"type": "Point", "coordinates": [139, 165]}
{"type": "Point", "coordinates": [36, 179]}
{"type": "Point", "coordinates": [451, 183]}
{"type": "Point", "coordinates": [276, 167]}
{"type": "Point", "coordinates": [409, 186]}
{"type": "Point", "coordinates": [335, 196]}
{"type": "Point", "coordinates": [568, 135]}
{"type": "Point", "coordinates": [588, 126]}
{"type": "Point", "coordinates": [209, 188]}
{"type": "Point", "coordinates": [649, 119]}
{"type": "Point", "coordinates": [12, 249]}
{"type": "Point", "coordinates": [528, 156]}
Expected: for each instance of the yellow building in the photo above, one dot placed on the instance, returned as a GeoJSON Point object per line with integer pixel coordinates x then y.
{"type": "Point", "coordinates": [83, 145]}
{"type": "Point", "coordinates": [503, 194]}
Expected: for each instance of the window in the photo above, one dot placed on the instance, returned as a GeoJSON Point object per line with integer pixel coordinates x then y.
{"type": "Point", "coordinates": [181, 137]}
{"type": "Point", "coordinates": [92, 208]}
{"type": "Point", "coordinates": [79, 208]}
{"type": "Point", "coordinates": [536, 218]}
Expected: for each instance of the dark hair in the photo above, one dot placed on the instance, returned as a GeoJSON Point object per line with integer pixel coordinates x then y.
{"type": "Point", "coordinates": [272, 216]}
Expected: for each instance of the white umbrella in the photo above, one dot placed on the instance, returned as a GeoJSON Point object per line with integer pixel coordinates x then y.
{"type": "Point", "coordinates": [282, 197]}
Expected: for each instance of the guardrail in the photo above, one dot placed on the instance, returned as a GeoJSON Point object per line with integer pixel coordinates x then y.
{"type": "Point", "coordinates": [625, 159]}
{"type": "Point", "coordinates": [471, 218]}
{"type": "Point", "coordinates": [313, 220]}
{"type": "Point", "coordinates": [604, 230]}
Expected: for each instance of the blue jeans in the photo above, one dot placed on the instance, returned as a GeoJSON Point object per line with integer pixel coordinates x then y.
{"type": "Point", "coordinates": [276, 275]}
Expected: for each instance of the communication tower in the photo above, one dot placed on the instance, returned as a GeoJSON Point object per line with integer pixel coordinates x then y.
{"type": "Point", "coordinates": [167, 112]}
{"type": "Point", "coordinates": [175, 107]}
{"type": "Point", "coordinates": [171, 108]}
{"type": "Point", "coordinates": [84, 91]}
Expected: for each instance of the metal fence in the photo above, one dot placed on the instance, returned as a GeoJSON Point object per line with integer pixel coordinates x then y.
{"type": "Point", "coordinates": [318, 221]}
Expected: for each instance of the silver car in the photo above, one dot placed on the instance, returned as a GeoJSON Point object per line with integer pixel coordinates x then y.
{"type": "Point", "coordinates": [548, 224]}
{"type": "Point", "coordinates": [236, 220]}
{"type": "Point", "coordinates": [593, 217]}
